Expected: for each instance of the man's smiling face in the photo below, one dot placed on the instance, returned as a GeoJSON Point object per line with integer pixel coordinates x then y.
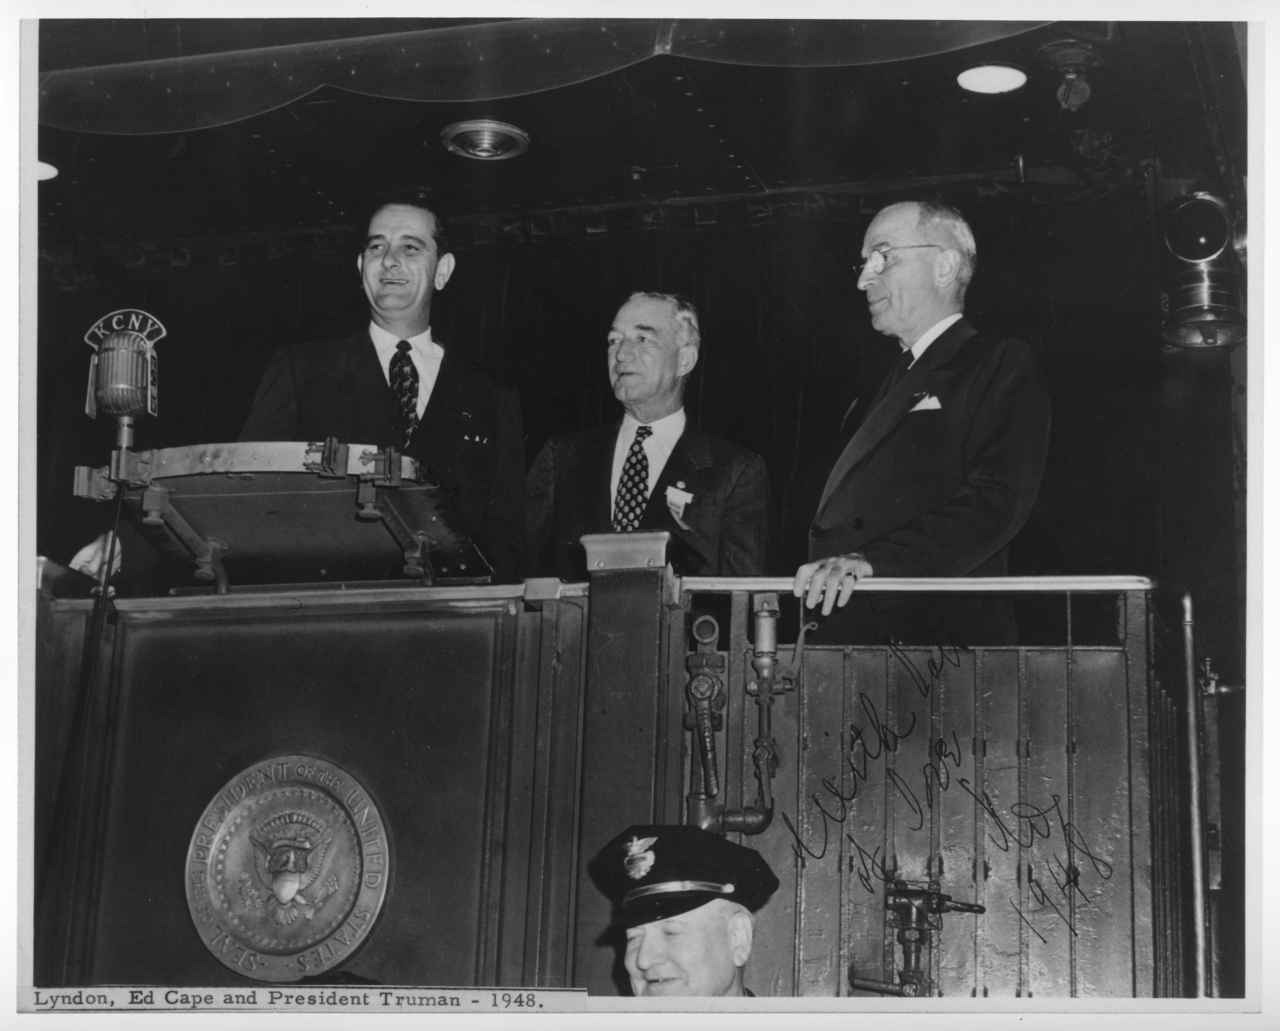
{"type": "Point", "coordinates": [692, 953]}
{"type": "Point", "coordinates": [400, 267]}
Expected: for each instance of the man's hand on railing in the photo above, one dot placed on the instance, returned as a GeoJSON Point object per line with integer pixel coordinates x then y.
{"type": "Point", "coordinates": [830, 580]}
{"type": "Point", "coordinates": [91, 559]}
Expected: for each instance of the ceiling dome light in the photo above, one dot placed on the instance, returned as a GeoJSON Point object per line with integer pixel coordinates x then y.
{"type": "Point", "coordinates": [1073, 60]}
{"type": "Point", "coordinates": [485, 139]}
{"type": "Point", "coordinates": [44, 171]}
{"type": "Point", "coordinates": [992, 78]}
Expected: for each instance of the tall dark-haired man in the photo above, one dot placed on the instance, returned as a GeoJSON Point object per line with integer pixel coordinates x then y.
{"type": "Point", "coordinates": [946, 463]}
{"type": "Point", "coordinates": [394, 383]}
{"type": "Point", "coordinates": [651, 470]}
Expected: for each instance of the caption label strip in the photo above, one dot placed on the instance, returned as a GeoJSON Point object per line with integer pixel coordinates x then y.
{"type": "Point", "coordinates": [287, 999]}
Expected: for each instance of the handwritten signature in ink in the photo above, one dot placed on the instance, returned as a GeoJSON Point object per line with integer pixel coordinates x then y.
{"type": "Point", "coordinates": [1023, 824]}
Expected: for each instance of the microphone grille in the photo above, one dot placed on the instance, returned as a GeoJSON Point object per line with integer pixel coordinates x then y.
{"type": "Point", "coordinates": [123, 378]}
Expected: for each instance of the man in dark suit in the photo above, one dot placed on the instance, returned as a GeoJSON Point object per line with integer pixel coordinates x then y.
{"type": "Point", "coordinates": [946, 462]}
{"type": "Point", "coordinates": [392, 383]}
{"type": "Point", "coordinates": [651, 471]}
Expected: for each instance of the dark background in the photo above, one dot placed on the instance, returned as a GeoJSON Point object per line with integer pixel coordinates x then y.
{"type": "Point", "coordinates": [211, 174]}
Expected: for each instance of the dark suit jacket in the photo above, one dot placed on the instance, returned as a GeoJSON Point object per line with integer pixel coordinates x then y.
{"type": "Point", "coordinates": [470, 436]}
{"type": "Point", "coordinates": [941, 492]}
{"type": "Point", "coordinates": [726, 524]}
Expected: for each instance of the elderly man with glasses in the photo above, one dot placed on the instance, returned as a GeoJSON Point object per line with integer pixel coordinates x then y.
{"type": "Point", "coordinates": [945, 462]}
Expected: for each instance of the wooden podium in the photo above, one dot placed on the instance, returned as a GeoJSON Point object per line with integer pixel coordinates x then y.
{"type": "Point", "coordinates": [507, 733]}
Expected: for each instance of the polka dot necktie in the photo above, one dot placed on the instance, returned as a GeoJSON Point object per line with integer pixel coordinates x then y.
{"type": "Point", "coordinates": [633, 485]}
{"type": "Point", "coordinates": [403, 375]}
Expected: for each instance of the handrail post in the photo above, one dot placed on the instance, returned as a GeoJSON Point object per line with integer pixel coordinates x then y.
{"type": "Point", "coordinates": [1199, 913]}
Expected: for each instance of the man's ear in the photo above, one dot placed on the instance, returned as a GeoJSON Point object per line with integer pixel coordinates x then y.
{"type": "Point", "coordinates": [687, 359]}
{"type": "Point", "coordinates": [946, 267]}
{"type": "Point", "coordinates": [444, 269]}
{"type": "Point", "coordinates": [741, 935]}
{"type": "Point", "coordinates": [360, 264]}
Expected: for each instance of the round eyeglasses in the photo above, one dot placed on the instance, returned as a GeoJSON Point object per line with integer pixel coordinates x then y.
{"type": "Point", "coordinates": [878, 260]}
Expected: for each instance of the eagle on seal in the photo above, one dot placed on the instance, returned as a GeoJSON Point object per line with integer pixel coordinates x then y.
{"type": "Point", "coordinates": [289, 858]}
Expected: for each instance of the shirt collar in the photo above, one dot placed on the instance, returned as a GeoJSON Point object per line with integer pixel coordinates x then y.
{"type": "Point", "coordinates": [385, 342]}
{"type": "Point", "coordinates": [669, 427]}
{"type": "Point", "coordinates": [932, 333]}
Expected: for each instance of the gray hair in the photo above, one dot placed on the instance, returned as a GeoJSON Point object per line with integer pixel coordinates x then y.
{"type": "Point", "coordinates": [686, 315]}
{"type": "Point", "coordinates": [939, 217]}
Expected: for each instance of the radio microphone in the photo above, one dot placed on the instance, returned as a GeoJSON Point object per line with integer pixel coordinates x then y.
{"type": "Point", "coordinates": [122, 371]}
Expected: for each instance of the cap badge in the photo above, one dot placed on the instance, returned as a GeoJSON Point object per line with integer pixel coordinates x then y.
{"type": "Point", "coordinates": [639, 860]}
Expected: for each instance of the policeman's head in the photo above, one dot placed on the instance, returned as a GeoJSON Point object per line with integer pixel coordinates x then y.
{"type": "Point", "coordinates": [685, 899]}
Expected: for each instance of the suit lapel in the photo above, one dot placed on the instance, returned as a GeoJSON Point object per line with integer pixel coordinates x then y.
{"type": "Point", "coordinates": [364, 387]}
{"type": "Point", "coordinates": [688, 458]}
{"type": "Point", "coordinates": [446, 406]}
{"type": "Point", "coordinates": [595, 498]}
{"type": "Point", "coordinates": [894, 406]}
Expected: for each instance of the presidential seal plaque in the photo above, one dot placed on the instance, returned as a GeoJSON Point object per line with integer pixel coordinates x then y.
{"type": "Point", "coordinates": [287, 869]}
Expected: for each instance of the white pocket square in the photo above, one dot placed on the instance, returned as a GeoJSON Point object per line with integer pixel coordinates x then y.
{"type": "Point", "coordinates": [928, 403]}
{"type": "Point", "coordinates": [677, 499]}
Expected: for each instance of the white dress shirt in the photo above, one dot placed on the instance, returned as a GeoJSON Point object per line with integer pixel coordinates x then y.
{"type": "Point", "coordinates": [425, 354]}
{"type": "Point", "coordinates": [931, 334]}
{"type": "Point", "coordinates": [657, 448]}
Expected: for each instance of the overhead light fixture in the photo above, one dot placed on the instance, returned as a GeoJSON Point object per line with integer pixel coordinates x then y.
{"type": "Point", "coordinates": [992, 78]}
{"type": "Point", "coordinates": [485, 139]}
{"type": "Point", "coordinates": [45, 171]}
{"type": "Point", "coordinates": [1072, 59]}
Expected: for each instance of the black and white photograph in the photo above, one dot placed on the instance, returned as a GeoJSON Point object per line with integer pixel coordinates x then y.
{"type": "Point", "coordinates": [551, 514]}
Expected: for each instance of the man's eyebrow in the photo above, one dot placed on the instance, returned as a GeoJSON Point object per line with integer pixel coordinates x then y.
{"type": "Point", "coordinates": [642, 326]}
{"type": "Point", "coordinates": [410, 237]}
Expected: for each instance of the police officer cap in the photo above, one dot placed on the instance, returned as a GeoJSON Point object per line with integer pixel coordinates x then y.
{"type": "Point", "coordinates": [653, 872]}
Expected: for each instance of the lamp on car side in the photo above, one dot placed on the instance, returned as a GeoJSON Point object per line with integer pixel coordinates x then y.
{"type": "Point", "coordinates": [1200, 302]}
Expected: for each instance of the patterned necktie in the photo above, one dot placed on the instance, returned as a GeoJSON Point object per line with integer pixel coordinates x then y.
{"type": "Point", "coordinates": [403, 375]}
{"type": "Point", "coordinates": [633, 485]}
